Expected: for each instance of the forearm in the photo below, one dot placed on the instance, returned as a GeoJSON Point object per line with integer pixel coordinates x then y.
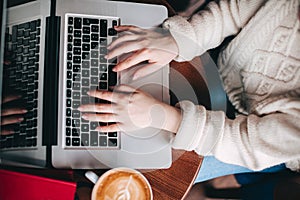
{"type": "Point", "coordinates": [208, 28]}
{"type": "Point", "coordinates": [250, 141]}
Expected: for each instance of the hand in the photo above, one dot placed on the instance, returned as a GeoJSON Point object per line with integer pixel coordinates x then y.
{"type": "Point", "coordinates": [131, 110]}
{"type": "Point", "coordinates": [157, 47]}
{"type": "Point", "coordinates": [10, 116]}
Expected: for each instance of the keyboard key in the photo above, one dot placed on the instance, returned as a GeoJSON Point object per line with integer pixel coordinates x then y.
{"type": "Point", "coordinates": [76, 59]}
{"type": "Point", "coordinates": [112, 32]}
{"type": "Point", "coordinates": [85, 139]}
{"type": "Point", "coordinates": [68, 121]}
{"type": "Point", "coordinates": [94, 71]}
{"type": "Point", "coordinates": [76, 77]}
{"type": "Point", "coordinates": [68, 132]}
{"type": "Point", "coordinates": [102, 141]}
{"type": "Point", "coordinates": [94, 80]}
{"type": "Point", "coordinates": [103, 68]}
{"type": "Point", "coordinates": [94, 63]}
{"type": "Point", "coordinates": [85, 47]}
{"type": "Point", "coordinates": [77, 33]}
{"type": "Point", "coordinates": [75, 123]}
{"type": "Point", "coordinates": [75, 104]}
{"type": "Point", "coordinates": [112, 142]}
{"type": "Point", "coordinates": [85, 73]}
{"type": "Point", "coordinates": [77, 23]}
{"type": "Point", "coordinates": [94, 54]}
{"type": "Point", "coordinates": [103, 85]}
{"type": "Point", "coordinates": [68, 103]}
{"type": "Point", "coordinates": [76, 114]}
{"type": "Point", "coordinates": [76, 95]}
{"type": "Point", "coordinates": [85, 128]}
{"type": "Point", "coordinates": [86, 55]}
{"type": "Point", "coordinates": [103, 28]}
{"type": "Point", "coordinates": [85, 64]}
{"type": "Point", "coordinates": [68, 141]}
{"type": "Point", "coordinates": [95, 37]}
{"type": "Point", "coordinates": [86, 38]}
{"type": "Point", "coordinates": [68, 112]}
{"type": "Point", "coordinates": [94, 138]}
{"type": "Point", "coordinates": [75, 132]}
{"type": "Point", "coordinates": [113, 134]}
{"type": "Point", "coordinates": [76, 51]}
{"type": "Point", "coordinates": [103, 76]}
{"type": "Point", "coordinates": [95, 28]}
{"type": "Point", "coordinates": [85, 82]}
{"type": "Point", "coordinates": [86, 30]}
{"type": "Point", "coordinates": [75, 141]}
{"type": "Point", "coordinates": [70, 20]}
{"type": "Point", "coordinates": [94, 45]}
{"type": "Point", "coordinates": [77, 42]}
{"type": "Point", "coordinates": [70, 29]}
{"type": "Point", "coordinates": [94, 125]}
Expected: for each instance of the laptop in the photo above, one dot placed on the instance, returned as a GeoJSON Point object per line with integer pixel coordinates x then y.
{"type": "Point", "coordinates": [58, 50]}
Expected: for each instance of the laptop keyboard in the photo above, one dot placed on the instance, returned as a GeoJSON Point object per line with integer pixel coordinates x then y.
{"type": "Point", "coordinates": [23, 43]}
{"type": "Point", "coordinates": [87, 69]}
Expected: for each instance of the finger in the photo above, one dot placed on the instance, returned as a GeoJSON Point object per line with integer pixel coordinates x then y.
{"type": "Point", "coordinates": [127, 28]}
{"type": "Point", "coordinates": [101, 108]}
{"type": "Point", "coordinates": [7, 132]}
{"type": "Point", "coordinates": [11, 98]}
{"type": "Point", "coordinates": [126, 47]}
{"type": "Point", "coordinates": [13, 111]}
{"type": "Point", "coordinates": [132, 60]}
{"type": "Point", "coordinates": [105, 117]}
{"type": "Point", "coordinates": [113, 97]}
{"type": "Point", "coordinates": [121, 40]}
{"type": "Point", "coordinates": [146, 70]}
{"type": "Point", "coordinates": [124, 88]}
{"type": "Point", "coordinates": [11, 120]}
{"type": "Point", "coordinates": [109, 128]}
{"type": "Point", "coordinates": [105, 95]}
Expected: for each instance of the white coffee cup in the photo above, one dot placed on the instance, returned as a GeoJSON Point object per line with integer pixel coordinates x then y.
{"type": "Point", "coordinates": [120, 184]}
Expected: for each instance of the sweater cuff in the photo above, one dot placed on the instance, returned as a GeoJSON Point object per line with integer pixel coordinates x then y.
{"type": "Point", "coordinates": [193, 120]}
{"type": "Point", "coordinates": [185, 37]}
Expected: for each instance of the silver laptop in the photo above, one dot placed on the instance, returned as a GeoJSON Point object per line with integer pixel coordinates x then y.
{"type": "Point", "coordinates": [58, 55]}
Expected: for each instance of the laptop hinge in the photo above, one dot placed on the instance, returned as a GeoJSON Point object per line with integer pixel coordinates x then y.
{"type": "Point", "coordinates": [51, 73]}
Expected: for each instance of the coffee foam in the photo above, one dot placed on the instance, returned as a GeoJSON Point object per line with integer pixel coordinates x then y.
{"type": "Point", "coordinates": [123, 185]}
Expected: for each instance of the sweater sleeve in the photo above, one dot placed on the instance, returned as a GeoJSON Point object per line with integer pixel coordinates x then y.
{"type": "Point", "coordinates": [208, 28]}
{"type": "Point", "coordinates": [252, 141]}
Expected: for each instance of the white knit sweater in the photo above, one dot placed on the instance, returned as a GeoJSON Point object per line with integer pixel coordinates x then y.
{"type": "Point", "coordinates": [260, 69]}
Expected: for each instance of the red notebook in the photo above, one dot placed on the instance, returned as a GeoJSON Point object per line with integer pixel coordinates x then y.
{"type": "Point", "coordinates": [16, 186]}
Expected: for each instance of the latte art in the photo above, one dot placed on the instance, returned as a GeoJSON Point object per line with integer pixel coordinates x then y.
{"type": "Point", "coordinates": [120, 184]}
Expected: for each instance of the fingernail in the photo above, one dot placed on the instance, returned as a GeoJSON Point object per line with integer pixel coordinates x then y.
{"type": "Point", "coordinates": [21, 119]}
{"type": "Point", "coordinates": [88, 92]}
{"type": "Point", "coordinates": [84, 116]}
{"type": "Point", "coordinates": [24, 111]}
{"type": "Point", "coordinates": [114, 69]}
{"type": "Point", "coordinates": [79, 108]}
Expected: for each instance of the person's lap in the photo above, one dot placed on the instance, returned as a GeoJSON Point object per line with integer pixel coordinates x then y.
{"type": "Point", "coordinates": [213, 168]}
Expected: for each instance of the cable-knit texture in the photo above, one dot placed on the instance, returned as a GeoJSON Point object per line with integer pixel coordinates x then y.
{"type": "Point", "coordinates": [260, 69]}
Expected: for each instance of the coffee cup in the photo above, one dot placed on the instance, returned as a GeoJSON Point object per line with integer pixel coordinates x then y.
{"type": "Point", "coordinates": [120, 184]}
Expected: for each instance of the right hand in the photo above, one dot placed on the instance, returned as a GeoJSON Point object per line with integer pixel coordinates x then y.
{"type": "Point", "coordinates": [157, 47]}
{"type": "Point", "coordinates": [10, 116]}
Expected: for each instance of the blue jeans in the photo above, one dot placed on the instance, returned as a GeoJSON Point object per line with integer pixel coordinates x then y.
{"type": "Point", "coordinates": [212, 168]}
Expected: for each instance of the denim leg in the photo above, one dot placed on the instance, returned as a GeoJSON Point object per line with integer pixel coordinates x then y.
{"type": "Point", "coordinates": [212, 168]}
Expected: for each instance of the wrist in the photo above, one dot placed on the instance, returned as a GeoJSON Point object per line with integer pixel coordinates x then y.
{"type": "Point", "coordinates": [173, 118]}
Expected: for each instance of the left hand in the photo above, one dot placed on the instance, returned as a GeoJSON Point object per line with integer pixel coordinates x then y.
{"type": "Point", "coordinates": [131, 110]}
